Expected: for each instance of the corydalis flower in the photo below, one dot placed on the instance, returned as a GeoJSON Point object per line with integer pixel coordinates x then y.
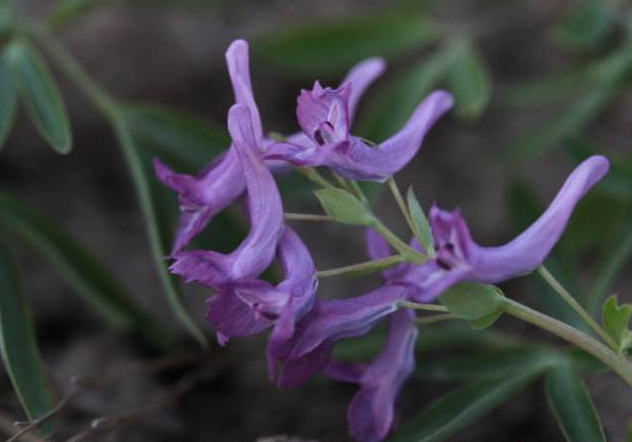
{"type": "Point", "coordinates": [265, 212]}
{"type": "Point", "coordinates": [221, 183]}
{"type": "Point", "coordinates": [249, 307]}
{"type": "Point", "coordinates": [371, 411]}
{"type": "Point", "coordinates": [324, 117]}
{"type": "Point", "coordinates": [459, 258]}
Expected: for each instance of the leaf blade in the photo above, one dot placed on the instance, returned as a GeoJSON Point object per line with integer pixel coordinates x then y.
{"type": "Point", "coordinates": [8, 97]}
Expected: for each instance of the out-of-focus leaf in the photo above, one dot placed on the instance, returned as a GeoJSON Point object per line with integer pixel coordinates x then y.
{"type": "Point", "coordinates": [344, 207]}
{"type": "Point", "coordinates": [472, 300]}
{"type": "Point", "coordinates": [329, 46]}
{"type": "Point", "coordinates": [615, 320]}
{"type": "Point", "coordinates": [456, 410]}
{"type": "Point", "coordinates": [585, 27]}
{"type": "Point", "coordinates": [525, 209]}
{"type": "Point", "coordinates": [41, 96]}
{"type": "Point", "coordinates": [19, 347]}
{"type": "Point", "coordinates": [572, 406]}
{"type": "Point", "coordinates": [82, 270]}
{"type": "Point", "coordinates": [420, 223]}
{"type": "Point", "coordinates": [158, 225]}
{"type": "Point", "coordinates": [8, 96]}
{"type": "Point", "coordinates": [500, 363]}
{"type": "Point", "coordinates": [468, 81]}
{"type": "Point", "coordinates": [544, 90]}
{"type": "Point", "coordinates": [176, 137]}
{"type": "Point", "coordinates": [396, 100]}
{"type": "Point", "coordinates": [6, 16]}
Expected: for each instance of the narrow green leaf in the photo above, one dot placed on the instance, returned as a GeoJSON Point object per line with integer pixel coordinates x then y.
{"type": "Point", "coordinates": [157, 226]}
{"type": "Point", "coordinates": [570, 401]}
{"type": "Point", "coordinates": [615, 320]}
{"type": "Point", "coordinates": [454, 411]}
{"type": "Point", "coordinates": [8, 97]}
{"type": "Point", "coordinates": [178, 138]}
{"type": "Point", "coordinates": [78, 266]}
{"type": "Point", "coordinates": [41, 96]}
{"type": "Point", "coordinates": [472, 300]}
{"type": "Point", "coordinates": [469, 82]}
{"type": "Point", "coordinates": [396, 100]}
{"type": "Point", "coordinates": [421, 225]}
{"type": "Point", "coordinates": [19, 347]}
{"type": "Point", "coordinates": [329, 46]}
{"type": "Point", "coordinates": [585, 27]}
{"type": "Point", "coordinates": [344, 207]}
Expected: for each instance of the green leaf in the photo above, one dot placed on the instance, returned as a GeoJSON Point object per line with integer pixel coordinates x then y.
{"type": "Point", "coordinates": [485, 321]}
{"type": "Point", "coordinates": [421, 225]}
{"type": "Point", "coordinates": [397, 99]}
{"type": "Point", "coordinates": [329, 46]}
{"type": "Point", "coordinates": [543, 90]}
{"type": "Point", "coordinates": [585, 27]}
{"type": "Point", "coordinates": [6, 17]}
{"type": "Point", "coordinates": [178, 138]}
{"type": "Point", "coordinates": [469, 82]}
{"type": "Point", "coordinates": [8, 96]}
{"type": "Point", "coordinates": [615, 319]}
{"type": "Point", "coordinates": [78, 266]}
{"type": "Point", "coordinates": [570, 401]}
{"type": "Point", "coordinates": [19, 347]}
{"type": "Point", "coordinates": [158, 225]}
{"type": "Point", "coordinates": [472, 300]}
{"type": "Point", "coordinates": [457, 409]}
{"type": "Point", "coordinates": [344, 207]}
{"type": "Point", "coordinates": [41, 96]}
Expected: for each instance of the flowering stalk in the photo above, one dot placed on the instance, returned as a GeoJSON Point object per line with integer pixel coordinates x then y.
{"type": "Point", "coordinates": [363, 268]}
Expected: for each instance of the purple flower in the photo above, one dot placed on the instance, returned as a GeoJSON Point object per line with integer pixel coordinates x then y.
{"type": "Point", "coordinates": [324, 117]}
{"type": "Point", "coordinates": [249, 307]}
{"type": "Point", "coordinates": [371, 411]}
{"type": "Point", "coordinates": [459, 258]}
{"type": "Point", "coordinates": [222, 182]}
{"type": "Point", "coordinates": [309, 349]}
{"type": "Point", "coordinates": [265, 211]}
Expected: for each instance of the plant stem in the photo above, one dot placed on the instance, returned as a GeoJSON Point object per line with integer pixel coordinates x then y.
{"type": "Point", "coordinates": [404, 249]}
{"type": "Point", "coordinates": [307, 217]}
{"type": "Point", "coordinates": [363, 267]}
{"type": "Point", "coordinates": [392, 184]}
{"type": "Point", "coordinates": [616, 362]}
{"type": "Point", "coordinates": [424, 307]}
{"type": "Point", "coordinates": [315, 176]}
{"type": "Point", "coordinates": [433, 319]}
{"type": "Point", "coordinates": [554, 283]}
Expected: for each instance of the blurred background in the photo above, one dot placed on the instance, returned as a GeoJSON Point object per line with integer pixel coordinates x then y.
{"type": "Point", "coordinates": [539, 86]}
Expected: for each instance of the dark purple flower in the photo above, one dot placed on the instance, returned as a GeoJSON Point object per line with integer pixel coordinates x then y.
{"type": "Point", "coordinates": [249, 307]}
{"type": "Point", "coordinates": [324, 117]}
{"type": "Point", "coordinates": [459, 258]}
{"type": "Point", "coordinates": [221, 183]}
{"type": "Point", "coordinates": [265, 212]}
{"type": "Point", "coordinates": [371, 411]}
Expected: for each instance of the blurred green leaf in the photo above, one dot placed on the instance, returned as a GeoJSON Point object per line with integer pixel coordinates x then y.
{"type": "Point", "coordinates": [8, 96]}
{"type": "Point", "coordinates": [397, 99]}
{"type": "Point", "coordinates": [41, 96]}
{"type": "Point", "coordinates": [525, 209]}
{"type": "Point", "coordinates": [545, 90]}
{"type": "Point", "coordinates": [344, 207]}
{"type": "Point", "coordinates": [158, 224]}
{"type": "Point", "coordinates": [616, 319]}
{"type": "Point", "coordinates": [572, 406]}
{"type": "Point", "coordinates": [469, 81]}
{"type": "Point", "coordinates": [457, 409]}
{"type": "Point", "coordinates": [6, 17]}
{"type": "Point", "coordinates": [585, 26]}
{"type": "Point", "coordinates": [472, 300]}
{"type": "Point", "coordinates": [420, 223]}
{"type": "Point", "coordinates": [176, 137]}
{"type": "Point", "coordinates": [82, 270]}
{"type": "Point", "coordinates": [330, 46]}
{"type": "Point", "coordinates": [19, 347]}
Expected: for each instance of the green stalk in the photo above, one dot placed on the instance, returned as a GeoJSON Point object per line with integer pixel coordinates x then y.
{"type": "Point", "coordinates": [362, 268]}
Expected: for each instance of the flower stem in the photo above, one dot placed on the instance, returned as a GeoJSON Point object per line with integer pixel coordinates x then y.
{"type": "Point", "coordinates": [433, 319]}
{"type": "Point", "coordinates": [307, 217]}
{"type": "Point", "coordinates": [315, 176]}
{"type": "Point", "coordinates": [616, 362]}
{"type": "Point", "coordinates": [362, 268]}
{"type": "Point", "coordinates": [408, 253]}
{"type": "Point", "coordinates": [425, 307]}
{"type": "Point", "coordinates": [555, 284]}
{"type": "Point", "coordinates": [392, 184]}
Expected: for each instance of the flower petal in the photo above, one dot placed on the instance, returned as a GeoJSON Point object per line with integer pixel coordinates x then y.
{"type": "Point", "coordinates": [322, 113]}
{"type": "Point", "coordinates": [360, 77]}
{"type": "Point", "coordinates": [230, 316]}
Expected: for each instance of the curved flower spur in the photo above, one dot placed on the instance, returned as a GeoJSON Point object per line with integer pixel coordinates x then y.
{"type": "Point", "coordinates": [222, 182]}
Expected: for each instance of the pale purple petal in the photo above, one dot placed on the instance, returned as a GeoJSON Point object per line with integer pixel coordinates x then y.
{"type": "Point", "coordinates": [371, 410]}
{"type": "Point", "coordinates": [265, 210]}
{"type": "Point", "coordinates": [297, 371]}
{"type": "Point", "coordinates": [322, 113]}
{"type": "Point", "coordinates": [230, 316]}
{"type": "Point", "coordinates": [359, 78]}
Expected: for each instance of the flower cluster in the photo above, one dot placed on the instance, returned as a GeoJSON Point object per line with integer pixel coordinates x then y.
{"type": "Point", "coordinates": [305, 329]}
